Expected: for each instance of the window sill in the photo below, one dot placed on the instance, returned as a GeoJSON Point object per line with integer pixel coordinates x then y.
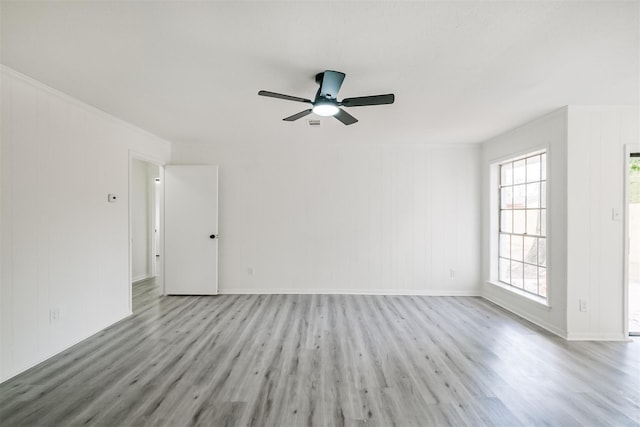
{"type": "Point", "coordinates": [528, 297]}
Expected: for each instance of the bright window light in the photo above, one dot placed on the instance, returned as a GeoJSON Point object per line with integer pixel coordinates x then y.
{"type": "Point", "coordinates": [522, 248]}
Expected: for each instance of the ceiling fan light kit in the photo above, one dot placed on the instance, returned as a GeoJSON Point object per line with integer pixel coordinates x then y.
{"type": "Point", "coordinates": [326, 102]}
{"type": "Point", "coordinates": [325, 109]}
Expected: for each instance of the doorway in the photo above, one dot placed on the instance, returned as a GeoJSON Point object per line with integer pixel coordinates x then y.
{"type": "Point", "coordinates": [633, 227]}
{"type": "Point", "coordinates": [145, 192]}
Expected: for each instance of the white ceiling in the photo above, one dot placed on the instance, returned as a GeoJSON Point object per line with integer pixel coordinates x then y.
{"type": "Point", "coordinates": [461, 71]}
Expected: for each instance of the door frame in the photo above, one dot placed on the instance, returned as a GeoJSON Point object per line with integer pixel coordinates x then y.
{"type": "Point", "coordinates": [135, 155]}
{"type": "Point", "coordinates": [628, 150]}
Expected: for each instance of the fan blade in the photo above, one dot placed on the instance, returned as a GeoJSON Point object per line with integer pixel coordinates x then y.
{"type": "Point", "coordinates": [298, 115]}
{"type": "Point", "coordinates": [331, 83]}
{"type": "Point", "coordinates": [281, 96]}
{"type": "Point", "coordinates": [368, 100]}
{"type": "Point", "coordinates": [345, 117]}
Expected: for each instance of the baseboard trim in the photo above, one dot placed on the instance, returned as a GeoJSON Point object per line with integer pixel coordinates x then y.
{"type": "Point", "coordinates": [431, 293]}
{"type": "Point", "coordinates": [528, 317]}
{"type": "Point", "coordinates": [596, 337]}
{"type": "Point", "coordinates": [140, 278]}
{"type": "Point", "coordinates": [83, 337]}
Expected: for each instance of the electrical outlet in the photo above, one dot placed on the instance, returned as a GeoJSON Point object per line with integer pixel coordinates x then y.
{"type": "Point", "coordinates": [583, 305]}
{"type": "Point", "coordinates": [452, 273]}
{"type": "Point", "coordinates": [250, 271]}
{"type": "Point", "coordinates": [54, 315]}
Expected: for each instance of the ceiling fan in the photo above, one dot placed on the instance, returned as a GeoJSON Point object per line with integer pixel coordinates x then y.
{"type": "Point", "coordinates": [326, 101]}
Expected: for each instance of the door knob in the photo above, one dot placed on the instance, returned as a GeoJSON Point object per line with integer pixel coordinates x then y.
{"type": "Point", "coordinates": [213, 236]}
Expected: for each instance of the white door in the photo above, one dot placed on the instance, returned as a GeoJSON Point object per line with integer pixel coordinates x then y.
{"type": "Point", "coordinates": [191, 229]}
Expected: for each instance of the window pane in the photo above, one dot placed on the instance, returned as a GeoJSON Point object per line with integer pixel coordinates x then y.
{"type": "Point", "coordinates": [542, 282]}
{"type": "Point", "coordinates": [518, 222]}
{"type": "Point", "coordinates": [505, 245]}
{"type": "Point", "coordinates": [531, 278]}
{"type": "Point", "coordinates": [516, 248]}
{"type": "Point", "coordinates": [506, 200]}
{"type": "Point", "coordinates": [506, 224]}
{"type": "Point", "coordinates": [522, 249]}
{"type": "Point", "coordinates": [516, 274]}
{"type": "Point", "coordinates": [519, 196]}
{"type": "Point", "coordinates": [533, 222]}
{"type": "Point", "coordinates": [533, 169]}
{"type": "Point", "coordinates": [531, 250]}
{"type": "Point", "coordinates": [506, 174]}
{"type": "Point", "coordinates": [542, 252]}
{"type": "Point", "coordinates": [505, 270]}
{"type": "Point", "coordinates": [519, 172]}
{"type": "Point", "coordinates": [533, 195]}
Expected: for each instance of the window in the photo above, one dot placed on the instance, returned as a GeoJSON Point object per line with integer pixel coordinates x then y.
{"type": "Point", "coordinates": [522, 246]}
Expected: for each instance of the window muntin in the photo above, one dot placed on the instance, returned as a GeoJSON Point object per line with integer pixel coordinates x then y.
{"type": "Point", "coordinates": [523, 212]}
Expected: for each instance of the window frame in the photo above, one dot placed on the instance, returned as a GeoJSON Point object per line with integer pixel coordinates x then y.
{"type": "Point", "coordinates": [541, 233]}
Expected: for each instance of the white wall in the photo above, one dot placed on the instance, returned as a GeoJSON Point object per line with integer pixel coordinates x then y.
{"type": "Point", "coordinates": [139, 221]}
{"type": "Point", "coordinates": [143, 176]}
{"type": "Point", "coordinates": [550, 133]}
{"type": "Point", "coordinates": [63, 246]}
{"type": "Point", "coordinates": [363, 217]}
{"type": "Point", "coordinates": [585, 245]}
{"type": "Point", "coordinates": [596, 156]}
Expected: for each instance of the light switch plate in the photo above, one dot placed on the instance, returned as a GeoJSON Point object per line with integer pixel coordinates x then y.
{"type": "Point", "coordinates": [616, 215]}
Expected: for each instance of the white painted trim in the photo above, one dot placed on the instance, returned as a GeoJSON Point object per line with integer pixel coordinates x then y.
{"type": "Point", "coordinates": [588, 336]}
{"type": "Point", "coordinates": [76, 102]}
{"type": "Point", "coordinates": [517, 155]}
{"type": "Point", "coordinates": [139, 278]}
{"type": "Point", "coordinates": [130, 229]}
{"type": "Point", "coordinates": [135, 155]}
{"type": "Point", "coordinates": [160, 274]}
{"type": "Point", "coordinates": [528, 317]}
{"type": "Point", "coordinates": [350, 292]}
{"type": "Point", "coordinates": [151, 209]}
{"type": "Point", "coordinates": [494, 219]}
{"type": "Point", "coordinates": [56, 352]}
{"type": "Point", "coordinates": [628, 149]}
{"type": "Point", "coordinates": [544, 304]}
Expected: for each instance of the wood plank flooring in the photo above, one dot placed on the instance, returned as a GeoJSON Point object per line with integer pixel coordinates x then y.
{"type": "Point", "coordinates": [326, 360]}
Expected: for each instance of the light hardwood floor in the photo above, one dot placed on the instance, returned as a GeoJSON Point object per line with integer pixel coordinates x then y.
{"type": "Point", "coordinates": [326, 360]}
